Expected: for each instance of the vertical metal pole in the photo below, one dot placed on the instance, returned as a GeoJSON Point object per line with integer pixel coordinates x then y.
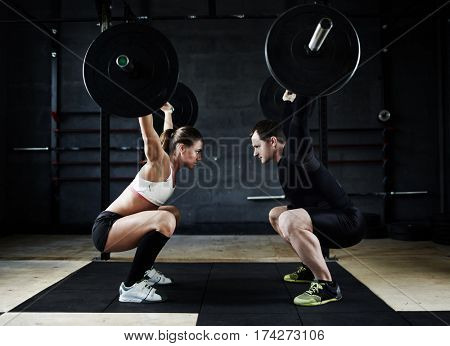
{"type": "Point", "coordinates": [323, 145]}
{"type": "Point", "coordinates": [105, 8]}
{"type": "Point", "coordinates": [323, 130]}
{"type": "Point", "coordinates": [212, 8]}
{"type": "Point", "coordinates": [442, 125]}
{"type": "Point", "coordinates": [54, 122]}
{"type": "Point", "coordinates": [104, 159]}
{"type": "Point", "coordinates": [388, 201]}
{"type": "Point", "coordinates": [386, 182]}
{"type": "Point", "coordinates": [105, 14]}
{"type": "Point", "coordinates": [323, 138]}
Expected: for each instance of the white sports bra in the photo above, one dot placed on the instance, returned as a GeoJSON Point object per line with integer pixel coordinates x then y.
{"type": "Point", "coordinates": [155, 192]}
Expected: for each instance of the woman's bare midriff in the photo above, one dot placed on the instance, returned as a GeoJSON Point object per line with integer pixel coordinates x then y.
{"type": "Point", "coordinates": [129, 202]}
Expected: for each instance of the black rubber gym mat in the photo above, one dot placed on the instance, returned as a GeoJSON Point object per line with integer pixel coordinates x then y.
{"type": "Point", "coordinates": [246, 288]}
{"type": "Point", "coordinates": [427, 318]}
{"type": "Point", "coordinates": [220, 293]}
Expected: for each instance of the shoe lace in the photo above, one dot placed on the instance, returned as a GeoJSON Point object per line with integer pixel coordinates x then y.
{"type": "Point", "coordinates": [301, 268]}
{"type": "Point", "coordinates": [148, 285]}
{"type": "Point", "coordinates": [314, 288]}
{"type": "Point", "coordinates": [157, 273]}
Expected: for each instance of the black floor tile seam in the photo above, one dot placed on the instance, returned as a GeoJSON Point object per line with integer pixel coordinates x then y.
{"type": "Point", "coordinates": [289, 293]}
{"type": "Point", "coordinates": [202, 300]}
{"type": "Point", "coordinates": [429, 315]}
{"type": "Point", "coordinates": [46, 291]}
{"type": "Point", "coordinates": [205, 290]}
{"type": "Point", "coordinates": [111, 303]}
{"type": "Point", "coordinates": [403, 317]}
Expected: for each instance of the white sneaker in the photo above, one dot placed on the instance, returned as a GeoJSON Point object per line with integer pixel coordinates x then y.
{"type": "Point", "coordinates": [140, 292]}
{"type": "Point", "coordinates": [155, 277]}
{"type": "Point", "coordinates": [122, 286]}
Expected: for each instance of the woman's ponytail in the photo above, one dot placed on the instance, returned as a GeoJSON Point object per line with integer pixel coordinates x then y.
{"type": "Point", "coordinates": [186, 135]}
{"type": "Point", "coordinates": [165, 138]}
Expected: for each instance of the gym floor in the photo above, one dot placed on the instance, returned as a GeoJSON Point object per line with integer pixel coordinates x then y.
{"type": "Point", "coordinates": [412, 278]}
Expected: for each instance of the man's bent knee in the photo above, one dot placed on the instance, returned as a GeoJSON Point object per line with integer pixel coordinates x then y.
{"type": "Point", "coordinates": [294, 220]}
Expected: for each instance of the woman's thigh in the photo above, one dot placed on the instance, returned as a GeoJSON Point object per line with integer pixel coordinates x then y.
{"type": "Point", "coordinates": [126, 232]}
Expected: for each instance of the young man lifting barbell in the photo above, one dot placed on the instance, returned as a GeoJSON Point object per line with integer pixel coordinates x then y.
{"type": "Point", "coordinates": [319, 213]}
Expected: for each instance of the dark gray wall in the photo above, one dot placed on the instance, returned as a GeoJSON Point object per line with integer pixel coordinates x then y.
{"type": "Point", "coordinates": [27, 79]}
{"type": "Point", "coordinates": [412, 84]}
{"type": "Point", "coordinates": [222, 61]}
{"type": "Point", "coordinates": [446, 110]}
{"type": "Point", "coordinates": [3, 150]}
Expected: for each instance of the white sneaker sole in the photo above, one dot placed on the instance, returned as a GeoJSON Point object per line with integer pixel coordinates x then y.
{"type": "Point", "coordinates": [135, 300]}
{"type": "Point", "coordinates": [159, 283]}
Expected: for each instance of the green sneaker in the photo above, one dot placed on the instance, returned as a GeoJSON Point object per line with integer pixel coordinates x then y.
{"type": "Point", "coordinates": [302, 275]}
{"type": "Point", "coordinates": [319, 294]}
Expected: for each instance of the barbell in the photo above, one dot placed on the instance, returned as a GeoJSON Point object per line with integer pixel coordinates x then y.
{"type": "Point", "coordinates": [131, 70]}
{"type": "Point", "coordinates": [312, 50]}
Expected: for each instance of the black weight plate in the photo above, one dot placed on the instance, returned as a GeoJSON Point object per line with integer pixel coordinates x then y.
{"type": "Point", "coordinates": [324, 72]}
{"type": "Point", "coordinates": [186, 106]}
{"type": "Point", "coordinates": [143, 90]}
{"type": "Point", "coordinates": [186, 109]}
{"type": "Point", "coordinates": [271, 101]}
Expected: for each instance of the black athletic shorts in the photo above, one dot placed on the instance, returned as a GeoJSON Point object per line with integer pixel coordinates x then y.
{"type": "Point", "coordinates": [337, 228]}
{"type": "Point", "coordinates": [101, 228]}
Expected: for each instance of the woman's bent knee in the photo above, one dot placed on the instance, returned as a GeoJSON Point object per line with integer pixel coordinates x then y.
{"type": "Point", "coordinates": [174, 210]}
{"type": "Point", "coordinates": [166, 223]}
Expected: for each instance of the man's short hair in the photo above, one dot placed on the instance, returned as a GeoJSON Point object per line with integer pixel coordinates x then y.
{"type": "Point", "coordinates": [269, 128]}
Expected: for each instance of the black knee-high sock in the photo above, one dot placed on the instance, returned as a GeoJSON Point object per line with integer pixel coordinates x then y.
{"type": "Point", "coordinates": [146, 253]}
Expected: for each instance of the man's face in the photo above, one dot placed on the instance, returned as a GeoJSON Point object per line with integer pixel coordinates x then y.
{"type": "Point", "coordinates": [262, 149]}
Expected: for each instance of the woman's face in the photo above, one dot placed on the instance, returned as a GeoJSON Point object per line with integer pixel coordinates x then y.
{"type": "Point", "coordinates": [191, 155]}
